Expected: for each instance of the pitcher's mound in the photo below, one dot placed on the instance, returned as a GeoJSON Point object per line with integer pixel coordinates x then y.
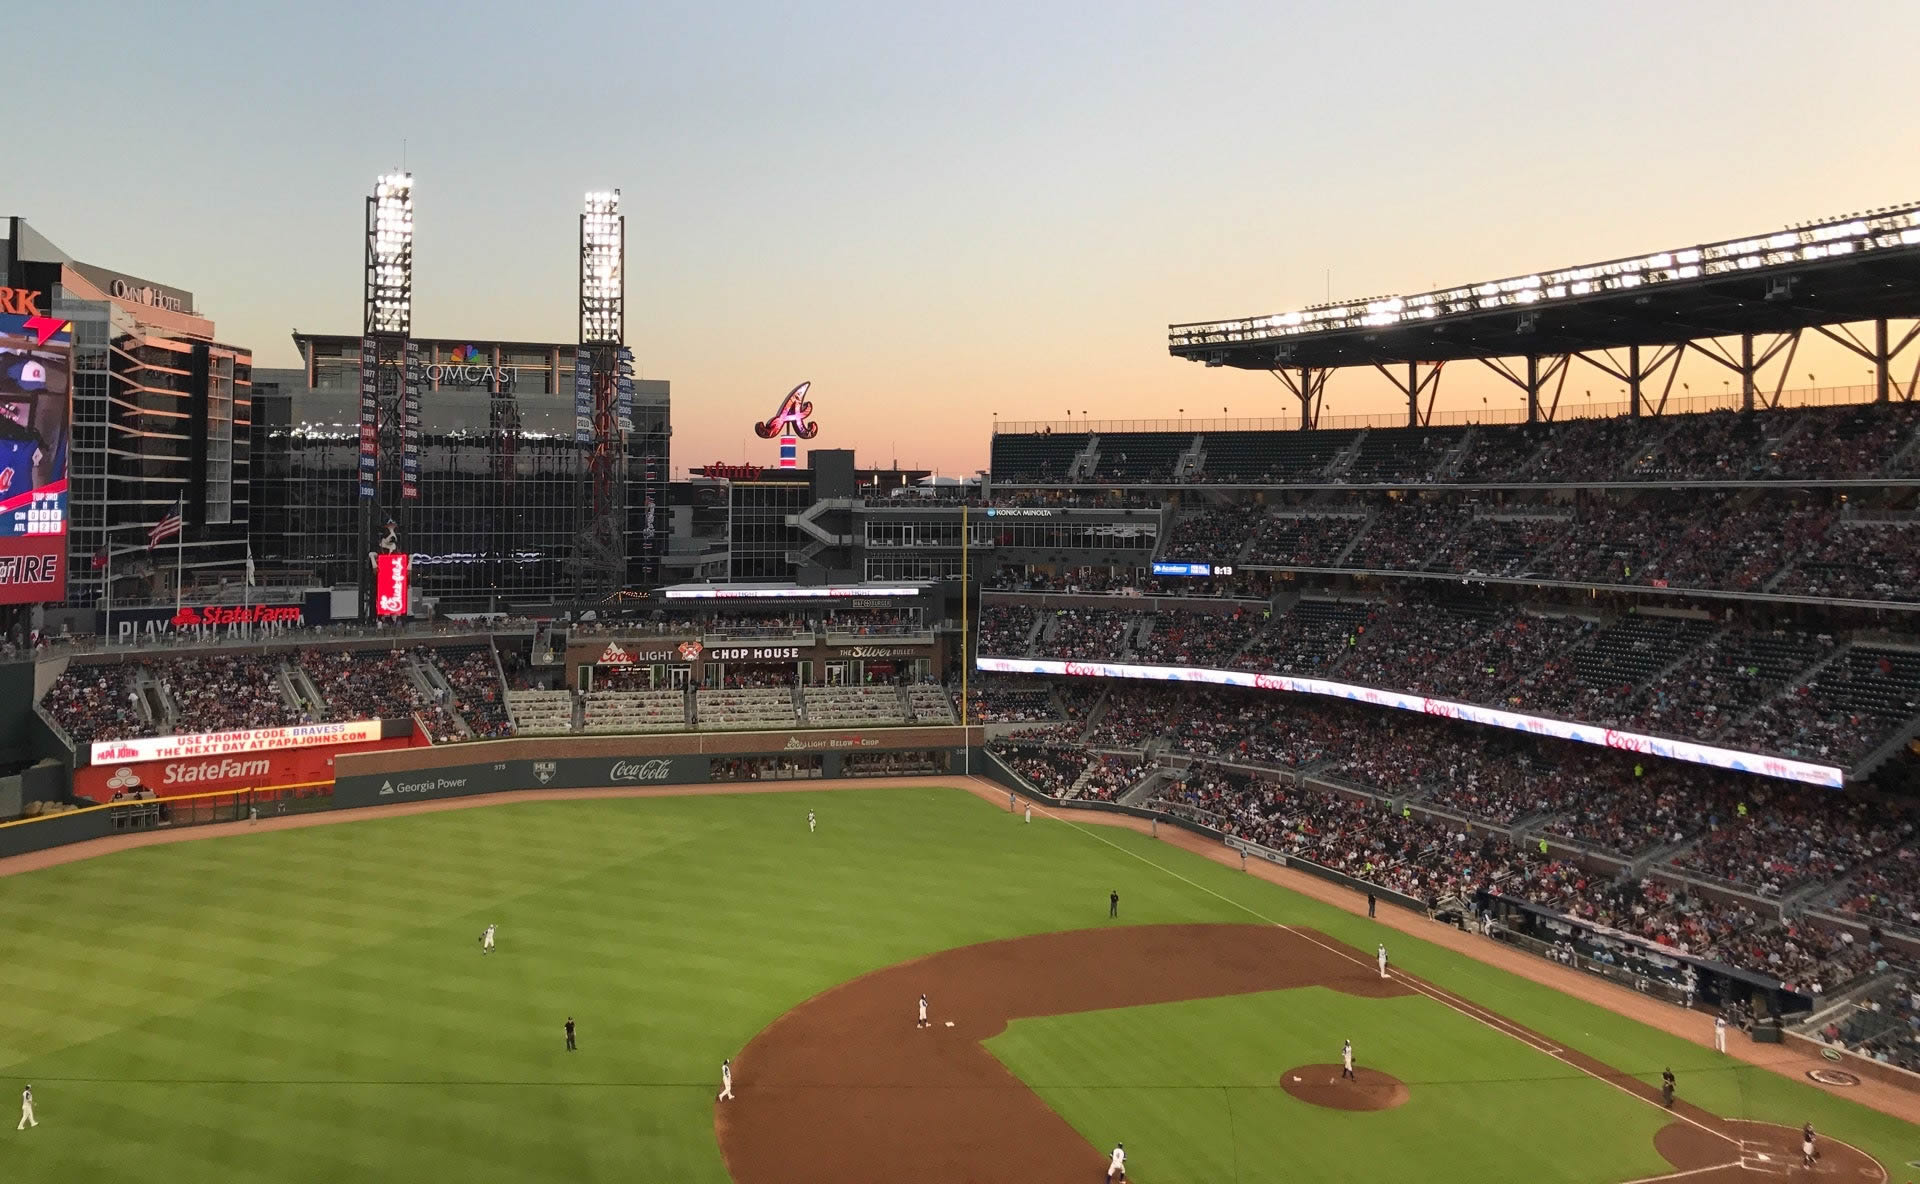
{"type": "Point", "coordinates": [1322, 1085]}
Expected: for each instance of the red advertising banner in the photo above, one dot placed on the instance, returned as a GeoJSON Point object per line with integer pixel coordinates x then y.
{"type": "Point", "coordinates": [203, 774]}
{"type": "Point", "coordinates": [391, 584]}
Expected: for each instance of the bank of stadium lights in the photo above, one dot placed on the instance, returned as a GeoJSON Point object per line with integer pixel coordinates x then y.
{"type": "Point", "coordinates": [602, 286]}
{"type": "Point", "coordinates": [1893, 226]}
{"type": "Point", "coordinates": [391, 244]}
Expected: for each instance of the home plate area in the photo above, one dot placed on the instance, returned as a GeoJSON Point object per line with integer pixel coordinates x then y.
{"type": "Point", "coordinates": [1723, 1149]}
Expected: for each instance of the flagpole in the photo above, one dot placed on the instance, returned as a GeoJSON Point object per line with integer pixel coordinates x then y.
{"type": "Point", "coordinates": [179, 562]}
{"type": "Point", "coordinates": [107, 628]}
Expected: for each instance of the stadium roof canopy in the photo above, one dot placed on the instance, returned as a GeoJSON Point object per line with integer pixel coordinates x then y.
{"type": "Point", "coordinates": [1864, 267]}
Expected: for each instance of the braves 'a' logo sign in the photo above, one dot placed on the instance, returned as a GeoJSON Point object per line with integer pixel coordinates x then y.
{"type": "Point", "coordinates": [791, 418]}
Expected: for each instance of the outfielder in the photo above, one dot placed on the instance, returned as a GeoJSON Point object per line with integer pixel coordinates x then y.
{"type": "Point", "coordinates": [1029, 813]}
{"type": "Point", "coordinates": [486, 941]}
{"type": "Point", "coordinates": [923, 1012]}
{"type": "Point", "coordinates": [1719, 1033]}
{"type": "Point", "coordinates": [726, 1082]}
{"type": "Point", "coordinates": [809, 821]}
{"type": "Point", "coordinates": [1383, 961]}
{"type": "Point", "coordinates": [1117, 1166]}
{"type": "Point", "coordinates": [1346, 1059]}
{"type": "Point", "coordinates": [27, 1119]}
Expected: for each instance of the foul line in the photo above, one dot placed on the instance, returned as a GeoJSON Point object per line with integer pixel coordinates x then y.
{"type": "Point", "coordinates": [1504, 1027]}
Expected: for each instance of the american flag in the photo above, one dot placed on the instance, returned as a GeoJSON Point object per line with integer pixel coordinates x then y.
{"type": "Point", "coordinates": [166, 528]}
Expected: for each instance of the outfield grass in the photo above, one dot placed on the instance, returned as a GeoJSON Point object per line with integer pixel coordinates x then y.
{"type": "Point", "coordinates": [312, 1004]}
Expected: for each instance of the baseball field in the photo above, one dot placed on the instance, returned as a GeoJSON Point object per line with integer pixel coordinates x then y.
{"type": "Point", "coordinates": [313, 1004]}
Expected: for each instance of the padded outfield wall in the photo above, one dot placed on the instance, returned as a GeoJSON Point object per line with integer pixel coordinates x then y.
{"type": "Point", "coordinates": [380, 777]}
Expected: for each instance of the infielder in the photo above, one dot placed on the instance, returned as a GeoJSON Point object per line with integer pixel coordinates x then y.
{"type": "Point", "coordinates": [923, 1012]}
{"type": "Point", "coordinates": [1719, 1033]}
{"type": "Point", "coordinates": [1383, 961]}
{"type": "Point", "coordinates": [1117, 1166]}
{"type": "Point", "coordinates": [809, 821]}
{"type": "Point", "coordinates": [1807, 1153]}
{"type": "Point", "coordinates": [486, 941]}
{"type": "Point", "coordinates": [1346, 1059]}
{"type": "Point", "coordinates": [27, 1119]}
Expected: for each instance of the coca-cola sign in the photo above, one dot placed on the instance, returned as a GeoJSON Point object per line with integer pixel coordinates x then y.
{"type": "Point", "coordinates": [624, 772]}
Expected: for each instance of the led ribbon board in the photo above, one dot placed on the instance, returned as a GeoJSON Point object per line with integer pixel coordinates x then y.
{"type": "Point", "coordinates": [1682, 750]}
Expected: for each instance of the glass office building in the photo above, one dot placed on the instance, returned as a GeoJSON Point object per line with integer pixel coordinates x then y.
{"type": "Point", "coordinates": [162, 418]}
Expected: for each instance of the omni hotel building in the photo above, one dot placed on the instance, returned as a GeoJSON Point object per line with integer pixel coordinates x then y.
{"type": "Point", "coordinates": [505, 489]}
{"type": "Point", "coordinates": [162, 415]}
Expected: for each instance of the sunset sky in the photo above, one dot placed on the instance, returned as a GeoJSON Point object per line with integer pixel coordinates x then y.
{"type": "Point", "coordinates": [940, 213]}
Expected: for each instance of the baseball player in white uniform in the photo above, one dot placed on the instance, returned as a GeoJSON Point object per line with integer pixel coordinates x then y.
{"type": "Point", "coordinates": [1029, 812]}
{"type": "Point", "coordinates": [1383, 961]}
{"type": "Point", "coordinates": [726, 1081]}
{"type": "Point", "coordinates": [1346, 1059]}
{"type": "Point", "coordinates": [1719, 1033]}
{"type": "Point", "coordinates": [26, 1110]}
{"type": "Point", "coordinates": [486, 941]}
{"type": "Point", "coordinates": [809, 821]}
{"type": "Point", "coordinates": [1117, 1166]}
{"type": "Point", "coordinates": [923, 1012]}
{"type": "Point", "coordinates": [1807, 1155]}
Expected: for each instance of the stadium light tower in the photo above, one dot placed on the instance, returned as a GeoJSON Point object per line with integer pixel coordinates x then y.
{"type": "Point", "coordinates": [389, 375]}
{"type": "Point", "coordinates": [603, 393]}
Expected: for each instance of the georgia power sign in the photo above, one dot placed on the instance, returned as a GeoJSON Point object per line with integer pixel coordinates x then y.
{"type": "Point", "coordinates": [210, 744]}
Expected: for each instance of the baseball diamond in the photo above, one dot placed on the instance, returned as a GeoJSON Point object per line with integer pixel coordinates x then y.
{"type": "Point", "coordinates": [683, 926]}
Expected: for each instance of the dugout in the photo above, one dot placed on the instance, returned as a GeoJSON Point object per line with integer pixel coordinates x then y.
{"type": "Point", "coordinates": [1636, 962]}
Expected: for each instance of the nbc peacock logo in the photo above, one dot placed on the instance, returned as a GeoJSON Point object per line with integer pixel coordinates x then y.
{"type": "Point", "coordinates": [463, 355]}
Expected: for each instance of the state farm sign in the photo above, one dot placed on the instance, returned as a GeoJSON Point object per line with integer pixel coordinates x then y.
{"type": "Point", "coordinates": [211, 744]}
{"type": "Point", "coordinates": [226, 616]}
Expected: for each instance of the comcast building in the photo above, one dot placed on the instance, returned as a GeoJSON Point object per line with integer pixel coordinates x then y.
{"type": "Point", "coordinates": [504, 482]}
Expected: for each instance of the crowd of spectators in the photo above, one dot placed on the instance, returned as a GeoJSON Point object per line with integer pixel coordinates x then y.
{"type": "Point", "coordinates": [1721, 540]}
{"type": "Point", "coordinates": [1001, 700]}
{"type": "Point", "coordinates": [373, 684]}
{"type": "Point", "coordinates": [478, 693]}
{"type": "Point", "coordinates": [1108, 776]}
{"type": "Point", "coordinates": [1852, 441]}
{"type": "Point", "coordinates": [97, 703]}
{"type": "Point", "coordinates": [1214, 534]}
{"type": "Point", "coordinates": [1888, 891]}
{"type": "Point", "coordinates": [1087, 634]}
{"type": "Point", "coordinates": [1048, 768]}
{"type": "Point", "coordinates": [1004, 628]}
{"type": "Point", "coordinates": [1780, 837]}
{"type": "Point", "coordinates": [1199, 639]}
{"type": "Point", "coordinates": [228, 692]}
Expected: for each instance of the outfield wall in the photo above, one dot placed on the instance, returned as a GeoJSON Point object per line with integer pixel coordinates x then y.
{"type": "Point", "coordinates": [455, 771]}
{"type": "Point", "coordinates": [380, 777]}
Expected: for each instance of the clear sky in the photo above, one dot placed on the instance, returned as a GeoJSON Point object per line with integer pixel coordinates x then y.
{"type": "Point", "coordinates": [939, 213]}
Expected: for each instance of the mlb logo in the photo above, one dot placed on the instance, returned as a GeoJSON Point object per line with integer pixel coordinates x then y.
{"type": "Point", "coordinates": [543, 771]}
